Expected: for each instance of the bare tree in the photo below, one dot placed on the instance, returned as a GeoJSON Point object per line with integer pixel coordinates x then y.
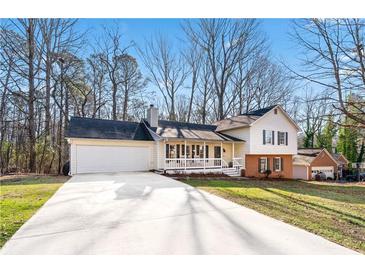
{"type": "Point", "coordinates": [166, 68]}
{"type": "Point", "coordinates": [333, 58]}
{"type": "Point", "coordinates": [193, 58]}
{"type": "Point", "coordinates": [111, 54]}
{"type": "Point", "coordinates": [96, 75]}
{"type": "Point", "coordinates": [205, 88]}
{"type": "Point", "coordinates": [132, 82]}
{"type": "Point", "coordinates": [311, 117]}
{"type": "Point", "coordinates": [227, 43]}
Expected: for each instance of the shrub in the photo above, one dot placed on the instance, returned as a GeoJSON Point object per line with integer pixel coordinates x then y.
{"type": "Point", "coordinates": [267, 173]}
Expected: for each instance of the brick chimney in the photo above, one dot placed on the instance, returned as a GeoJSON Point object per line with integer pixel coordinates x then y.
{"type": "Point", "coordinates": [152, 116]}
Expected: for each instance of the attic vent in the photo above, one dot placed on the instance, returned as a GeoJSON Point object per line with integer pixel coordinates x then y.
{"type": "Point", "coordinates": [276, 111]}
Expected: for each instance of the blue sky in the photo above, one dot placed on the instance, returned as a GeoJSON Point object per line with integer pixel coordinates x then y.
{"type": "Point", "coordinates": [138, 29]}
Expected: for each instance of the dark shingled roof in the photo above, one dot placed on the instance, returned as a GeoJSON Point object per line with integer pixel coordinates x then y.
{"type": "Point", "coordinates": [259, 112]}
{"type": "Point", "coordinates": [108, 129]}
{"type": "Point", "coordinates": [80, 127]}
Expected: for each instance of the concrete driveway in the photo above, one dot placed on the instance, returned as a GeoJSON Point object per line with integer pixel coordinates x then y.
{"type": "Point", "coordinates": [145, 213]}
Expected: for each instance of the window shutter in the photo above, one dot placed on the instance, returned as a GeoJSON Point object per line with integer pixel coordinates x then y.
{"type": "Point", "coordinates": [263, 134]}
{"type": "Point", "coordinates": [206, 151]}
{"type": "Point", "coordinates": [282, 164]}
{"type": "Point", "coordinates": [278, 138]}
{"type": "Point", "coordinates": [286, 138]}
{"type": "Point", "coordinates": [273, 137]}
{"type": "Point", "coordinates": [268, 164]}
{"type": "Point", "coordinates": [259, 169]}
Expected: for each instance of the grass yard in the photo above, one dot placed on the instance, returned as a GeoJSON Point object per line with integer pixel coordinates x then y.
{"type": "Point", "coordinates": [21, 197]}
{"type": "Point", "coordinates": [335, 212]}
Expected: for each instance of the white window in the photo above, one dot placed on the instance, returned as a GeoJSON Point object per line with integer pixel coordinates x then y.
{"type": "Point", "coordinates": [277, 164]}
{"type": "Point", "coordinates": [268, 137]}
{"type": "Point", "coordinates": [281, 138]}
{"type": "Point", "coordinates": [262, 164]}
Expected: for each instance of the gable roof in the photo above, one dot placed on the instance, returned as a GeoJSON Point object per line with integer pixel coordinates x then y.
{"type": "Point", "coordinates": [340, 158]}
{"type": "Point", "coordinates": [236, 122]}
{"type": "Point", "coordinates": [249, 118]}
{"type": "Point", "coordinates": [181, 130]}
{"type": "Point", "coordinates": [80, 127]}
{"type": "Point", "coordinates": [314, 152]}
{"type": "Point", "coordinates": [302, 160]}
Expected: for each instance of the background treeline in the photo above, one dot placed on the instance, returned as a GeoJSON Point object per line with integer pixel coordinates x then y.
{"type": "Point", "coordinates": [50, 71]}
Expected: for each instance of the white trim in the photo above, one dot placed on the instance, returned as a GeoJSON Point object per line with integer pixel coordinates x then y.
{"type": "Point", "coordinates": [285, 113]}
{"type": "Point", "coordinates": [266, 167]}
{"type": "Point", "coordinates": [280, 159]}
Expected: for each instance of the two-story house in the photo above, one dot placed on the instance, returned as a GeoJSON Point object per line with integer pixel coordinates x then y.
{"type": "Point", "coordinates": [265, 139]}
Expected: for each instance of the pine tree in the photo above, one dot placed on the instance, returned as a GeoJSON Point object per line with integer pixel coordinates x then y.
{"type": "Point", "coordinates": [348, 141]}
{"type": "Point", "coordinates": [325, 138]}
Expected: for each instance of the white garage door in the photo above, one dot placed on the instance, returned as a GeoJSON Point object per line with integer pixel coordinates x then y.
{"type": "Point", "coordinates": [300, 172]}
{"type": "Point", "coordinates": [328, 170]}
{"type": "Point", "coordinates": [90, 159]}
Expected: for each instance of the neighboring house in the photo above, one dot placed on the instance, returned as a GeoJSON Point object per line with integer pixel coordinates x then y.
{"type": "Point", "coordinates": [254, 142]}
{"type": "Point", "coordinates": [311, 161]}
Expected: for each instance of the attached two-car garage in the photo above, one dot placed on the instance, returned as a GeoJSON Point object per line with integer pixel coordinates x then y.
{"type": "Point", "coordinates": [110, 157]}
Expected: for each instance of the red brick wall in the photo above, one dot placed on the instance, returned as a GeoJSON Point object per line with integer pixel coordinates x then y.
{"type": "Point", "coordinates": [322, 159]}
{"type": "Point", "coordinates": [252, 169]}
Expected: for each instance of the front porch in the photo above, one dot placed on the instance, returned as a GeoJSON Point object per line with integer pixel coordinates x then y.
{"type": "Point", "coordinates": [202, 156]}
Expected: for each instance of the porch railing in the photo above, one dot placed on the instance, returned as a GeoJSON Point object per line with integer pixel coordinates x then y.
{"type": "Point", "coordinates": [188, 163]}
{"type": "Point", "coordinates": [237, 162]}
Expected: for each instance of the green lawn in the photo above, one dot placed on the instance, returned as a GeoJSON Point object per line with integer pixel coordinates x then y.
{"type": "Point", "coordinates": [21, 198]}
{"type": "Point", "coordinates": [336, 212]}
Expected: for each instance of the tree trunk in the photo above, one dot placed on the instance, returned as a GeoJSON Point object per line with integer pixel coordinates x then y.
{"type": "Point", "coordinates": [31, 97]}
{"type": "Point", "coordinates": [114, 101]}
{"type": "Point", "coordinates": [125, 103]}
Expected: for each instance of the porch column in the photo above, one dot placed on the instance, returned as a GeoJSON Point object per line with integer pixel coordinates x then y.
{"type": "Point", "coordinates": [221, 155]}
{"type": "Point", "coordinates": [185, 153]}
{"type": "Point", "coordinates": [158, 154]}
{"type": "Point", "coordinates": [204, 155]}
{"type": "Point", "coordinates": [164, 154]}
{"type": "Point", "coordinates": [232, 151]}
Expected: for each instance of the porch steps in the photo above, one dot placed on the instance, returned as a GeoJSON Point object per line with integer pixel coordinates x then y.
{"type": "Point", "coordinates": [231, 171]}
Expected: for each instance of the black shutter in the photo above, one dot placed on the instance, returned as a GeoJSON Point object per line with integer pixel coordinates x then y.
{"type": "Point", "coordinates": [263, 134]}
{"type": "Point", "coordinates": [259, 166]}
{"type": "Point", "coordinates": [273, 137]}
{"type": "Point", "coordinates": [268, 164]}
{"type": "Point", "coordinates": [206, 151]}
{"type": "Point", "coordinates": [278, 138]}
{"type": "Point", "coordinates": [282, 163]}
{"type": "Point", "coordinates": [286, 138]}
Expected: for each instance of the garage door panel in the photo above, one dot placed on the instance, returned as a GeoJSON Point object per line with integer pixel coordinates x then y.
{"type": "Point", "coordinates": [90, 159]}
{"type": "Point", "coordinates": [300, 172]}
{"type": "Point", "coordinates": [328, 170]}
